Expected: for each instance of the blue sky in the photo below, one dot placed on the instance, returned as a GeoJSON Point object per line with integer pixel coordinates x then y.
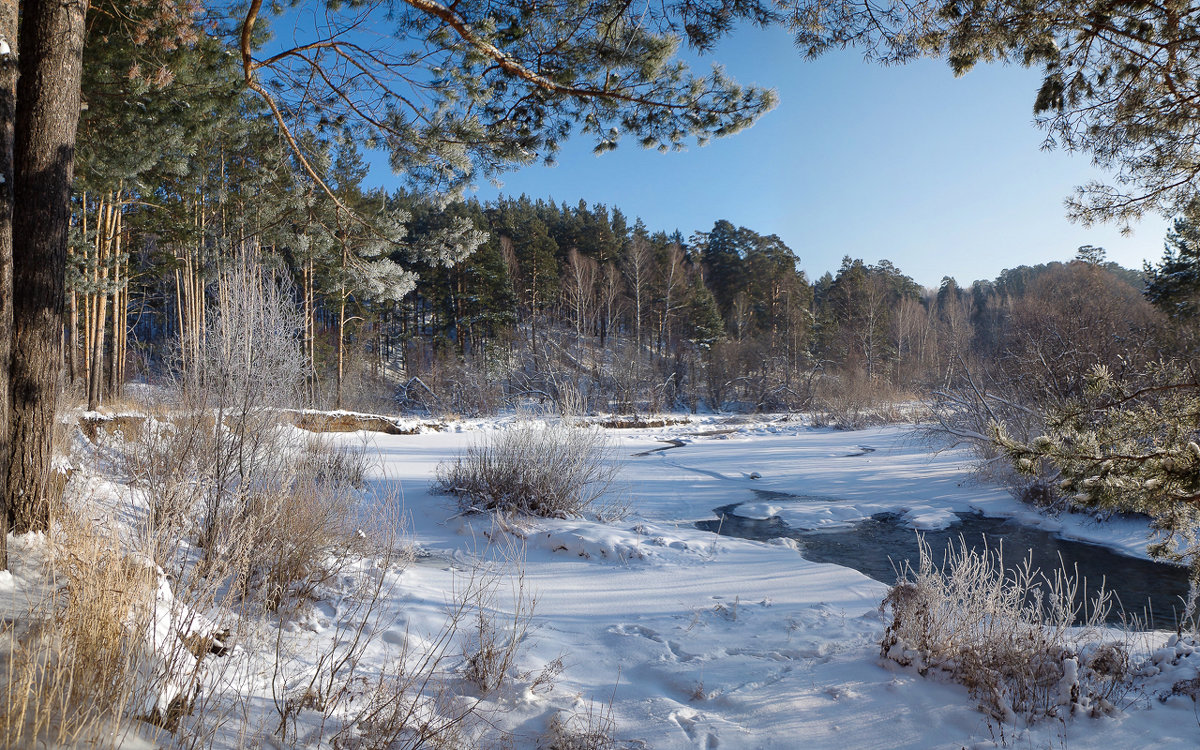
{"type": "Point", "coordinates": [942, 176]}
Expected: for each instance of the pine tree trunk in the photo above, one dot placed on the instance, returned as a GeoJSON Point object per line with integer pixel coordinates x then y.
{"type": "Point", "coordinates": [341, 325]}
{"type": "Point", "coordinates": [51, 42]}
{"type": "Point", "coordinates": [104, 227]}
{"type": "Point", "coordinates": [120, 324]}
{"type": "Point", "coordinates": [183, 352]}
{"type": "Point", "coordinates": [89, 297]}
{"type": "Point", "coordinates": [73, 338]}
{"type": "Point", "coordinates": [73, 311]}
{"type": "Point", "coordinates": [118, 306]}
{"type": "Point", "coordinates": [8, 107]}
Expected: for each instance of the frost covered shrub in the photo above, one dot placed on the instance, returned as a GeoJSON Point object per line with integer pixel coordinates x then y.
{"type": "Point", "coordinates": [555, 470]}
{"type": "Point", "coordinates": [852, 401]}
{"type": "Point", "coordinates": [1014, 638]}
{"type": "Point", "coordinates": [228, 389]}
{"type": "Point", "coordinates": [265, 508]}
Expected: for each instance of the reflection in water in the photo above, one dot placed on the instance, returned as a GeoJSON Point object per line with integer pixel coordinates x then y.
{"type": "Point", "coordinates": [879, 545]}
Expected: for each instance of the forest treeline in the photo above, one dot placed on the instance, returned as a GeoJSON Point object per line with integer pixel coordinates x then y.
{"type": "Point", "coordinates": [462, 306]}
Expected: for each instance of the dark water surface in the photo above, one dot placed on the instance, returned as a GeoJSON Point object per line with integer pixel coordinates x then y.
{"type": "Point", "coordinates": [879, 545]}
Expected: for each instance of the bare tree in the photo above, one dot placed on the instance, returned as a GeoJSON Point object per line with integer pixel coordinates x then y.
{"type": "Point", "coordinates": [610, 299]}
{"type": "Point", "coordinates": [954, 326]}
{"type": "Point", "coordinates": [579, 289]}
{"type": "Point", "coordinates": [674, 281]}
{"type": "Point", "coordinates": [741, 315]}
{"type": "Point", "coordinates": [250, 366]}
{"type": "Point", "coordinates": [636, 265]}
{"type": "Point", "coordinates": [907, 321]}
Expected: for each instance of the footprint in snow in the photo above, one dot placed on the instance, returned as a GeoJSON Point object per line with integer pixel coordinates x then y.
{"type": "Point", "coordinates": [687, 721]}
{"type": "Point", "coordinates": [394, 638]}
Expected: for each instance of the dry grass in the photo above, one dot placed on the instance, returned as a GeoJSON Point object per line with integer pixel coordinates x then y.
{"type": "Point", "coordinates": [636, 422]}
{"type": "Point", "coordinates": [495, 632]}
{"type": "Point", "coordinates": [101, 650]}
{"type": "Point", "coordinates": [1024, 644]}
{"type": "Point", "coordinates": [591, 728]}
{"type": "Point", "coordinates": [73, 660]}
{"type": "Point", "coordinates": [340, 422]}
{"type": "Point", "coordinates": [556, 470]}
{"type": "Point", "coordinates": [124, 426]}
{"type": "Point", "coordinates": [419, 697]}
{"type": "Point", "coordinates": [300, 540]}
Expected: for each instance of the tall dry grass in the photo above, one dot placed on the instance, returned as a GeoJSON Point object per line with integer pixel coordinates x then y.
{"type": "Point", "coordinates": [103, 650]}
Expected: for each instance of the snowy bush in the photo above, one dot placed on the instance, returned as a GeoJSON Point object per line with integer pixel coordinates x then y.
{"type": "Point", "coordinates": [1017, 639]}
{"type": "Point", "coordinates": [852, 401]}
{"type": "Point", "coordinates": [267, 509]}
{"type": "Point", "coordinates": [556, 470]}
{"type": "Point", "coordinates": [301, 529]}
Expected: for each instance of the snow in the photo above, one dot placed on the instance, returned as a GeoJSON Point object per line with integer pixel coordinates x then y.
{"type": "Point", "coordinates": [706, 641]}
{"type": "Point", "coordinates": [687, 639]}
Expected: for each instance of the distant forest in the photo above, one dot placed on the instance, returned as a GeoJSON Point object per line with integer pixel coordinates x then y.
{"type": "Point", "coordinates": [469, 306]}
{"type": "Point", "coordinates": [407, 300]}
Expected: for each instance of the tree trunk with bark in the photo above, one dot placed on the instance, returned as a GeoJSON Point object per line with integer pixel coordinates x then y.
{"type": "Point", "coordinates": [8, 112]}
{"type": "Point", "coordinates": [51, 41]}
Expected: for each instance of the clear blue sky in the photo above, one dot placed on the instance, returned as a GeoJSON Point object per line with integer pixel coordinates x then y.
{"type": "Point", "coordinates": [942, 176]}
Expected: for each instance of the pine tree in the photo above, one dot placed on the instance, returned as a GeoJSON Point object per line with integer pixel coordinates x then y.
{"type": "Point", "coordinates": [1173, 285]}
{"type": "Point", "coordinates": [1119, 79]}
{"type": "Point", "coordinates": [704, 326]}
{"type": "Point", "coordinates": [721, 252]}
{"type": "Point", "coordinates": [1129, 445]}
{"type": "Point", "coordinates": [468, 89]}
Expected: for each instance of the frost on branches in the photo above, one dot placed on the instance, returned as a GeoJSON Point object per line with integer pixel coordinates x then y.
{"type": "Point", "coordinates": [1128, 446]}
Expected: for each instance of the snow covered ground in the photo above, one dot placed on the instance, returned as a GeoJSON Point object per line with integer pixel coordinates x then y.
{"type": "Point", "coordinates": [705, 641]}
{"type": "Point", "coordinates": [686, 639]}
